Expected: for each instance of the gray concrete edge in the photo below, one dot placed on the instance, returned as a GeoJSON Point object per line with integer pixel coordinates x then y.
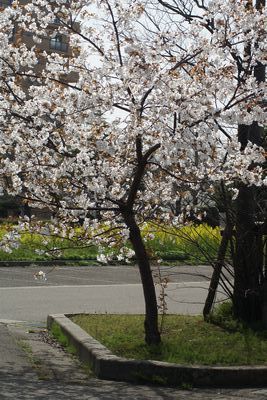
{"type": "Point", "coordinates": [106, 365]}
{"type": "Point", "coordinates": [49, 263]}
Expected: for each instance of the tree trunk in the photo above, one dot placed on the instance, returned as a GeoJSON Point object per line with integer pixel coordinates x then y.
{"type": "Point", "coordinates": [226, 238]}
{"type": "Point", "coordinates": [248, 259]}
{"type": "Point", "coordinates": [249, 289]}
{"type": "Point", "coordinates": [214, 282]}
{"type": "Point", "coordinates": [152, 335]}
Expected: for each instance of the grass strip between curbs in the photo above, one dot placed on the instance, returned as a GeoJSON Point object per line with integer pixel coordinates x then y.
{"type": "Point", "coordinates": [185, 340]}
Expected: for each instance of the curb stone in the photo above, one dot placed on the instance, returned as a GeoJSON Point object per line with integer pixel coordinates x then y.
{"type": "Point", "coordinates": [48, 263]}
{"type": "Point", "coordinates": [108, 366]}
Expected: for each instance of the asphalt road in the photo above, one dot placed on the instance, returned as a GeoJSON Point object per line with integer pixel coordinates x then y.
{"type": "Point", "coordinates": [96, 275]}
{"type": "Point", "coordinates": [111, 289]}
{"type": "Point", "coordinates": [94, 289]}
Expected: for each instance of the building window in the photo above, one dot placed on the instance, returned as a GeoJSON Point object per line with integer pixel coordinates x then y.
{"type": "Point", "coordinates": [5, 3]}
{"type": "Point", "coordinates": [57, 43]}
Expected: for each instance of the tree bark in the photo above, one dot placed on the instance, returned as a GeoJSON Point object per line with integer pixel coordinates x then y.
{"type": "Point", "coordinates": [226, 238]}
{"type": "Point", "coordinates": [249, 288]}
{"type": "Point", "coordinates": [152, 335]}
{"type": "Point", "coordinates": [248, 259]}
{"type": "Point", "coordinates": [215, 279]}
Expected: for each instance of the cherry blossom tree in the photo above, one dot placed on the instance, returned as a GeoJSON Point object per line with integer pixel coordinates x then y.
{"type": "Point", "coordinates": [247, 223]}
{"type": "Point", "coordinates": [150, 117]}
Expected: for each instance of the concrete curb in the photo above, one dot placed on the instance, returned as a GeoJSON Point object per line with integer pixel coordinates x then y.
{"type": "Point", "coordinates": [48, 263]}
{"type": "Point", "coordinates": [108, 366]}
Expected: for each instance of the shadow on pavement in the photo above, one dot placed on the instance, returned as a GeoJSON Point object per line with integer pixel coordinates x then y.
{"type": "Point", "coordinates": [26, 386]}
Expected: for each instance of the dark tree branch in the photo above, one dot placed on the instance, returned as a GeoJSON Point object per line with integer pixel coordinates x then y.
{"type": "Point", "coordinates": [222, 130]}
{"type": "Point", "coordinates": [121, 107]}
{"type": "Point", "coordinates": [143, 100]}
{"type": "Point", "coordinates": [139, 149]}
{"type": "Point", "coordinates": [114, 23]}
{"type": "Point", "coordinates": [142, 161]}
{"type": "Point", "coordinates": [185, 60]}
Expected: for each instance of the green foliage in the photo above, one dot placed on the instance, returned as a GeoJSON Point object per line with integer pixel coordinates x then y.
{"type": "Point", "coordinates": [30, 243]}
{"type": "Point", "coordinates": [223, 316]}
{"type": "Point", "coordinates": [185, 339]}
{"type": "Point", "coordinates": [190, 244]}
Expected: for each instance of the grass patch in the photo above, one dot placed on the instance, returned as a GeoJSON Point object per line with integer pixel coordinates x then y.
{"type": "Point", "coordinates": [59, 335]}
{"type": "Point", "coordinates": [187, 245]}
{"type": "Point", "coordinates": [185, 339]}
{"type": "Point", "coordinates": [29, 243]}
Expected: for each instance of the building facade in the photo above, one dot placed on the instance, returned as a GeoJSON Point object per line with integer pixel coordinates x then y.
{"type": "Point", "coordinates": [51, 42]}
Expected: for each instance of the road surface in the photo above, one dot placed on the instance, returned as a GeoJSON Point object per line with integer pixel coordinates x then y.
{"type": "Point", "coordinates": [89, 289]}
{"type": "Point", "coordinates": [95, 289]}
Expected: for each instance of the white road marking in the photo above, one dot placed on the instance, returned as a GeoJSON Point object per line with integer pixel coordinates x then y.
{"type": "Point", "coordinates": [193, 284]}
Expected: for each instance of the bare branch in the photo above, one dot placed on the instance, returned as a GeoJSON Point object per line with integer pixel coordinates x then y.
{"type": "Point", "coordinates": [116, 33]}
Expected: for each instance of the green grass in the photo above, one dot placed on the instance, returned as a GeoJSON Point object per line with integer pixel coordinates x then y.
{"type": "Point", "coordinates": [29, 243]}
{"type": "Point", "coordinates": [27, 253]}
{"type": "Point", "coordinates": [185, 339]}
{"type": "Point", "coordinates": [59, 335]}
{"type": "Point", "coordinates": [187, 245]}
